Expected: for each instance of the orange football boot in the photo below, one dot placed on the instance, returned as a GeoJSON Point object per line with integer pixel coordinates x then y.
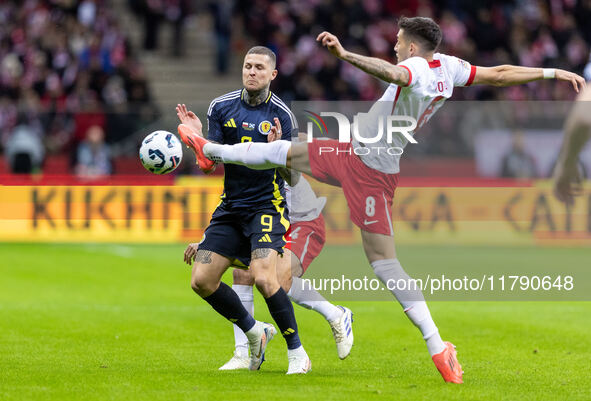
{"type": "Point", "coordinates": [447, 363]}
{"type": "Point", "coordinates": [196, 142]}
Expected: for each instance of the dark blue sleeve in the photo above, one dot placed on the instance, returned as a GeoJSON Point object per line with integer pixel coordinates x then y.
{"type": "Point", "coordinates": [289, 125]}
{"type": "Point", "coordinates": [214, 126]}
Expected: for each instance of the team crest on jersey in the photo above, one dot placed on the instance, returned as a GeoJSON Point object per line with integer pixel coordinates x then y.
{"type": "Point", "coordinates": [247, 126]}
{"type": "Point", "coordinates": [264, 127]}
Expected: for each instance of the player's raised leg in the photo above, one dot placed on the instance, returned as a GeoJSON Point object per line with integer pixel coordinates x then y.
{"type": "Point", "coordinates": [258, 156]}
{"type": "Point", "coordinates": [242, 283]}
{"type": "Point", "coordinates": [196, 142]}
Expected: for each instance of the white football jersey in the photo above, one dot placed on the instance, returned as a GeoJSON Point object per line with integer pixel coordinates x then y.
{"type": "Point", "coordinates": [302, 202]}
{"type": "Point", "coordinates": [430, 84]}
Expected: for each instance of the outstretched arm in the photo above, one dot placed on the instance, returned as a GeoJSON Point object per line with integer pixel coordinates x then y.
{"type": "Point", "coordinates": [375, 66]}
{"type": "Point", "coordinates": [567, 178]}
{"type": "Point", "coordinates": [507, 75]}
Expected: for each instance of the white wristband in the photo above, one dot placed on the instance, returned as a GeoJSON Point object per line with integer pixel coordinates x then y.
{"type": "Point", "coordinates": [549, 73]}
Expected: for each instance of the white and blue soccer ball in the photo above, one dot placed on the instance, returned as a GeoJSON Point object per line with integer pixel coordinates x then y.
{"type": "Point", "coordinates": [161, 152]}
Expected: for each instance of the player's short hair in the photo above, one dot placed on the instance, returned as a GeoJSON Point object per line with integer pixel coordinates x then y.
{"type": "Point", "coordinates": [266, 51]}
{"type": "Point", "coordinates": [422, 29]}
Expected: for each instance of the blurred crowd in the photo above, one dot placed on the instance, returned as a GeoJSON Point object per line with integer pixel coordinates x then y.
{"type": "Point", "coordinates": [71, 83]}
{"type": "Point", "coordinates": [541, 33]}
{"type": "Point", "coordinates": [535, 33]}
{"type": "Point", "coordinates": [67, 72]}
{"type": "Point", "coordinates": [155, 13]}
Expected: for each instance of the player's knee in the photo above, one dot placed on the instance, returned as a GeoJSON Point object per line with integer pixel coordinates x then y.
{"type": "Point", "coordinates": [196, 285]}
{"type": "Point", "coordinates": [261, 282]}
{"type": "Point", "coordinates": [242, 277]}
{"type": "Point", "coordinates": [266, 285]}
{"type": "Point", "coordinates": [202, 285]}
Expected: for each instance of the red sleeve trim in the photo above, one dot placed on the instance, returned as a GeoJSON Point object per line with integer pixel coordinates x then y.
{"type": "Point", "coordinates": [409, 75]}
{"type": "Point", "coordinates": [472, 75]}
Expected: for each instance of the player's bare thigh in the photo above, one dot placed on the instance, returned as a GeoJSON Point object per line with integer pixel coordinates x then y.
{"type": "Point", "coordinates": [297, 270]}
{"type": "Point", "coordinates": [207, 272]}
{"type": "Point", "coordinates": [284, 272]}
{"type": "Point", "coordinates": [378, 246]}
{"type": "Point", "coordinates": [263, 265]}
{"type": "Point", "coordinates": [297, 158]}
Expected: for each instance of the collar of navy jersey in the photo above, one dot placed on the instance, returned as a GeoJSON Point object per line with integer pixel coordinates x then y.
{"type": "Point", "coordinates": [243, 101]}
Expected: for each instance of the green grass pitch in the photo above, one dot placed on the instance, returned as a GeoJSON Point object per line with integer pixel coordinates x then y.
{"type": "Point", "coordinates": [119, 322]}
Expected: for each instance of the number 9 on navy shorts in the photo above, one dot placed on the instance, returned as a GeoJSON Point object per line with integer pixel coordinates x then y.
{"type": "Point", "coordinates": [235, 233]}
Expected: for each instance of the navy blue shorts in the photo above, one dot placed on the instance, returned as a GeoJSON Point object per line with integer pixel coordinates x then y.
{"type": "Point", "coordinates": [235, 233]}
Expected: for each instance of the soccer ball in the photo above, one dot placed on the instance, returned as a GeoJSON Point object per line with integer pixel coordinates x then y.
{"type": "Point", "coordinates": [161, 152]}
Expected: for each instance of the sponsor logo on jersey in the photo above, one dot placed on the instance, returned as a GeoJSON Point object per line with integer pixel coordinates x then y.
{"type": "Point", "coordinates": [247, 126]}
{"type": "Point", "coordinates": [265, 238]}
{"type": "Point", "coordinates": [264, 127]}
{"type": "Point", "coordinates": [230, 123]}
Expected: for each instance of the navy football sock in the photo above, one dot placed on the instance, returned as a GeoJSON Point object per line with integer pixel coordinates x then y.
{"type": "Point", "coordinates": [227, 303]}
{"type": "Point", "coordinates": [281, 309]}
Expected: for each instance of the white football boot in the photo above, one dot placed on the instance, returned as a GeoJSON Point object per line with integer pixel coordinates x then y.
{"type": "Point", "coordinates": [237, 362]}
{"type": "Point", "coordinates": [299, 362]}
{"type": "Point", "coordinates": [258, 338]}
{"type": "Point", "coordinates": [342, 331]}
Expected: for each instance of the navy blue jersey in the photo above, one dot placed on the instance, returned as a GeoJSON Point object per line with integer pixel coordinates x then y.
{"type": "Point", "coordinates": [231, 120]}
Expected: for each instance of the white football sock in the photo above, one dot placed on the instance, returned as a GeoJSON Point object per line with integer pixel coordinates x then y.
{"type": "Point", "coordinates": [302, 293]}
{"type": "Point", "coordinates": [256, 331]}
{"type": "Point", "coordinates": [246, 297]}
{"type": "Point", "coordinates": [391, 273]}
{"type": "Point", "coordinates": [255, 155]}
{"type": "Point", "coordinates": [299, 351]}
{"type": "Point", "coordinates": [419, 314]}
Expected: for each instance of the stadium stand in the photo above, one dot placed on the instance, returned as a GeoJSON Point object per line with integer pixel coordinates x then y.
{"type": "Point", "coordinates": [529, 33]}
{"type": "Point", "coordinates": [66, 66]}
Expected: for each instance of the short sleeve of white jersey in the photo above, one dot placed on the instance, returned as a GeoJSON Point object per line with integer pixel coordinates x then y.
{"type": "Point", "coordinates": [417, 69]}
{"type": "Point", "coordinates": [461, 71]}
